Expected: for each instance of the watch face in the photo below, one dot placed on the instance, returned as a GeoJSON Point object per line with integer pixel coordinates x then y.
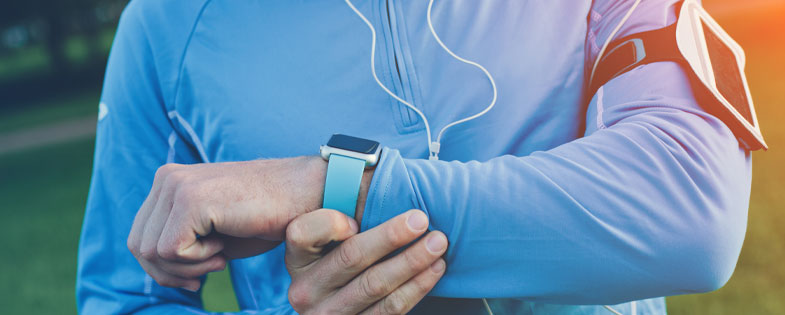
{"type": "Point", "coordinates": [354, 144]}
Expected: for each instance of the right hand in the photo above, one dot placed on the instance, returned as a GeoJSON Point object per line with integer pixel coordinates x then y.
{"type": "Point", "coordinates": [198, 216]}
{"type": "Point", "coordinates": [353, 278]}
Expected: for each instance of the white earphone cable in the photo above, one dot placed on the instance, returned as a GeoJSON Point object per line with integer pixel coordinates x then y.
{"type": "Point", "coordinates": [487, 74]}
{"type": "Point", "coordinates": [612, 310]}
{"type": "Point", "coordinates": [373, 71]}
{"type": "Point", "coordinates": [433, 146]}
{"type": "Point", "coordinates": [487, 306]}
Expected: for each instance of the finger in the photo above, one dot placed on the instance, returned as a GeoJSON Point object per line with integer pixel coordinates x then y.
{"type": "Point", "coordinates": [357, 253]}
{"type": "Point", "coordinates": [192, 270]}
{"type": "Point", "coordinates": [137, 229]}
{"type": "Point", "coordinates": [135, 236]}
{"type": "Point", "coordinates": [307, 235]}
{"type": "Point", "coordinates": [405, 297]}
{"type": "Point", "coordinates": [238, 247]}
{"type": "Point", "coordinates": [382, 279]}
{"type": "Point", "coordinates": [167, 280]}
{"type": "Point", "coordinates": [155, 224]}
{"type": "Point", "coordinates": [179, 240]}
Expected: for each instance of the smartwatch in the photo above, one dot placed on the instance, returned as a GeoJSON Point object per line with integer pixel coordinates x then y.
{"type": "Point", "coordinates": [347, 157]}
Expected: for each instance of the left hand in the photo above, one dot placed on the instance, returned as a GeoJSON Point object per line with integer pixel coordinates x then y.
{"type": "Point", "coordinates": [357, 276]}
{"type": "Point", "coordinates": [198, 216]}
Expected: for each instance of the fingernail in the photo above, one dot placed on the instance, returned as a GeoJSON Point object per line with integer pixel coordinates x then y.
{"type": "Point", "coordinates": [436, 243]}
{"type": "Point", "coordinates": [353, 224]}
{"type": "Point", "coordinates": [438, 266]}
{"type": "Point", "coordinates": [417, 221]}
{"type": "Point", "coordinates": [192, 288]}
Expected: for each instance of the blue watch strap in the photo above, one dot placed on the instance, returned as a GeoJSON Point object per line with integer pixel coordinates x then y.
{"type": "Point", "coordinates": [342, 185]}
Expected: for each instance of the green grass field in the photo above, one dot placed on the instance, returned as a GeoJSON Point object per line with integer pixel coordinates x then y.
{"type": "Point", "coordinates": [42, 194]}
{"type": "Point", "coordinates": [78, 105]}
{"type": "Point", "coordinates": [43, 191]}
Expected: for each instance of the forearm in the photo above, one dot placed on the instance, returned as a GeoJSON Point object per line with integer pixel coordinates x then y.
{"type": "Point", "coordinates": [656, 201]}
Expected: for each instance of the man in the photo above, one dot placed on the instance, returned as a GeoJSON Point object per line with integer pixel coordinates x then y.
{"type": "Point", "coordinates": [547, 206]}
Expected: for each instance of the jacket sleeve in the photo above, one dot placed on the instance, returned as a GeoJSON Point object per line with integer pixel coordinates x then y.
{"type": "Point", "coordinates": [651, 202]}
{"type": "Point", "coordinates": [134, 137]}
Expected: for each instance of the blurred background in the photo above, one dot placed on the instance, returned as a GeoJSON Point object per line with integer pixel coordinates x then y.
{"type": "Point", "coordinates": [52, 58]}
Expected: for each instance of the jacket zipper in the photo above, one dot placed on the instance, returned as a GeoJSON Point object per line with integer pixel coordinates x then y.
{"type": "Point", "coordinates": [395, 54]}
{"type": "Point", "coordinates": [407, 116]}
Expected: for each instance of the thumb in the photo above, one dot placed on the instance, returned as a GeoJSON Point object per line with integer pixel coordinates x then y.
{"type": "Point", "coordinates": [308, 234]}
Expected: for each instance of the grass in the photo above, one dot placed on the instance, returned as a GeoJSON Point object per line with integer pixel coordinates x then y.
{"type": "Point", "coordinates": [51, 110]}
{"type": "Point", "coordinates": [218, 293]}
{"type": "Point", "coordinates": [43, 191]}
{"type": "Point", "coordinates": [42, 194]}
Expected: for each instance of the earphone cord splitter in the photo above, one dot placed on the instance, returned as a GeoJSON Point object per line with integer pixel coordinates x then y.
{"type": "Point", "coordinates": [433, 146]}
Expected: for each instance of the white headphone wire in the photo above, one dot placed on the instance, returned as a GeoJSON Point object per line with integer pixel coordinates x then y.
{"type": "Point", "coordinates": [373, 71]}
{"type": "Point", "coordinates": [433, 146]}
{"type": "Point", "coordinates": [485, 71]}
{"type": "Point", "coordinates": [612, 310]}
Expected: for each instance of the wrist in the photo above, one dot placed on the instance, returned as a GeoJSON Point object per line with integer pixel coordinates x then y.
{"type": "Point", "coordinates": [316, 169]}
{"type": "Point", "coordinates": [365, 185]}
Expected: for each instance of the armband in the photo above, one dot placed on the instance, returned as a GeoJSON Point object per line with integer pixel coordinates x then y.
{"type": "Point", "coordinates": [714, 61]}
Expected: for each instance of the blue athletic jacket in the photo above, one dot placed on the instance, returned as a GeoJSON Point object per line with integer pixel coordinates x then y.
{"type": "Point", "coordinates": [554, 202]}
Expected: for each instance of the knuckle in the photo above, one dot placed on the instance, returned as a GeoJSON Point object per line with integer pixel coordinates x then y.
{"type": "Point", "coordinates": [397, 236]}
{"type": "Point", "coordinates": [132, 247]}
{"type": "Point", "coordinates": [416, 260]}
{"type": "Point", "coordinates": [295, 234]}
{"type": "Point", "coordinates": [424, 284]}
{"type": "Point", "coordinates": [149, 254]}
{"type": "Point", "coordinates": [349, 255]}
{"type": "Point", "coordinates": [166, 252]}
{"type": "Point", "coordinates": [394, 304]}
{"type": "Point", "coordinates": [162, 171]}
{"type": "Point", "coordinates": [338, 222]}
{"type": "Point", "coordinates": [373, 287]}
{"type": "Point", "coordinates": [166, 169]}
{"type": "Point", "coordinates": [299, 296]}
{"type": "Point", "coordinates": [175, 178]}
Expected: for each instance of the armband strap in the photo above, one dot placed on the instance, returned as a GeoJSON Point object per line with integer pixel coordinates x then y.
{"type": "Point", "coordinates": [635, 50]}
